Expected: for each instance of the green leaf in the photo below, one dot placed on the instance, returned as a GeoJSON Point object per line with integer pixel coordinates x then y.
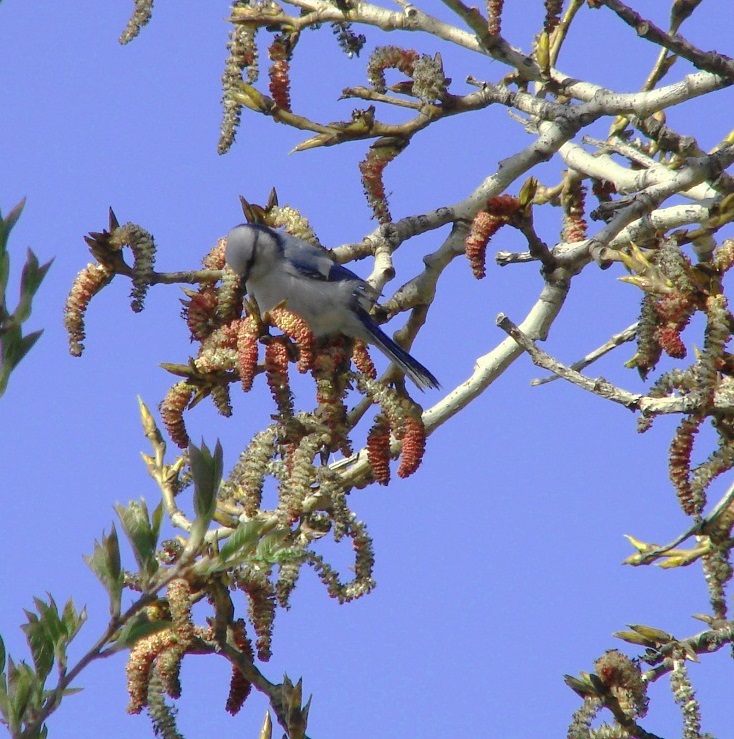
{"type": "Point", "coordinates": [13, 347]}
{"type": "Point", "coordinates": [112, 549]}
{"type": "Point", "coordinates": [651, 633]}
{"type": "Point", "coordinates": [43, 633]}
{"type": "Point", "coordinates": [6, 708]}
{"type": "Point", "coordinates": [206, 471]}
{"type": "Point", "coordinates": [30, 281]}
{"type": "Point", "coordinates": [28, 342]}
{"type": "Point", "coordinates": [273, 549]}
{"type": "Point", "coordinates": [33, 273]}
{"type": "Point", "coordinates": [104, 561]}
{"type": "Point", "coordinates": [580, 687]}
{"type": "Point", "coordinates": [40, 640]}
{"type": "Point", "coordinates": [143, 536]}
{"type": "Point", "coordinates": [7, 223]}
{"type": "Point", "coordinates": [3, 655]}
{"type": "Point", "coordinates": [634, 638]}
{"type": "Point", "coordinates": [11, 714]}
{"type": "Point", "coordinates": [72, 619]}
{"type": "Point", "coordinates": [243, 541]}
{"type": "Point", "coordinates": [22, 684]}
{"type": "Point", "coordinates": [49, 632]}
{"type": "Point", "coordinates": [157, 521]}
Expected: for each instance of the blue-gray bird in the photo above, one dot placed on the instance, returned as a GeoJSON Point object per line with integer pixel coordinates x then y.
{"type": "Point", "coordinates": [277, 267]}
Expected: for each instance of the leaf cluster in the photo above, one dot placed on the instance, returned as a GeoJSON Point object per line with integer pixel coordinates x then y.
{"type": "Point", "coordinates": [25, 701]}
{"type": "Point", "coordinates": [14, 344]}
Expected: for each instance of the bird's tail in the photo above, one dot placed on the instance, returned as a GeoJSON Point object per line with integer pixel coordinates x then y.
{"type": "Point", "coordinates": [395, 353]}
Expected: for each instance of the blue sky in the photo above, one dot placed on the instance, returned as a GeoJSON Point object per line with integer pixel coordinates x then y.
{"type": "Point", "coordinates": [499, 562]}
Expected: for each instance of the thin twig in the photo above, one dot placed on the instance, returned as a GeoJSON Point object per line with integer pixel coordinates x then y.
{"type": "Point", "coordinates": [697, 528]}
{"type": "Point", "coordinates": [617, 340]}
{"type": "Point", "coordinates": [598, 386]}
{"type": "Point", "coordinates": [503, 258]}
{"type": "Point", "coordinates": [621, 147]}
{"type": "Point", "coordinates": [703, 643]}
{"type": "Point", "coordinates": [709, 60]}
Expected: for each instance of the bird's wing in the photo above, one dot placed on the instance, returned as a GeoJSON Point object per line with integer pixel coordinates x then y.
{"type": "Point", "coordinates": [311, 261]}
{"type": "Point", "coordinates": [318, 264]}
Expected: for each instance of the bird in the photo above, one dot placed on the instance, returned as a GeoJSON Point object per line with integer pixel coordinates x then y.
{"type": "Point", "coordinates": [278, 268]}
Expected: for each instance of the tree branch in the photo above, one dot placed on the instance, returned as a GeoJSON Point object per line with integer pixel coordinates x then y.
{"type": "Point", "coordinates": [598, 386]}
{"type": "Point", "coordinates": [708, 60]}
